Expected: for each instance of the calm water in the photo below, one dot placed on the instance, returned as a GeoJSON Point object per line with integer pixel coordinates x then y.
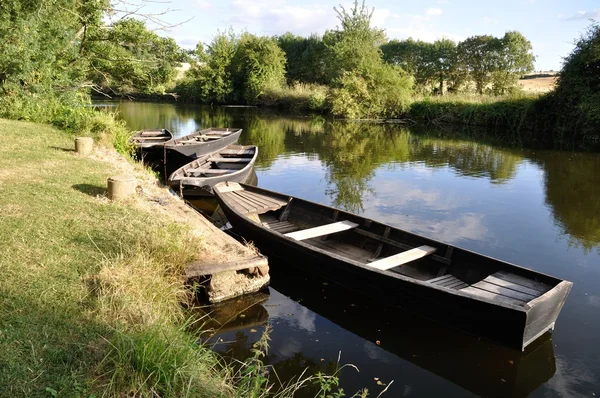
{"type": "Point", "coordinates": [540, 209]}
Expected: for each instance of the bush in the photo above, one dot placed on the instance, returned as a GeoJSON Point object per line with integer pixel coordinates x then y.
{"type": "Point", "coordinates": [383, 92]}
{"type": "Point", "coordinates": [577, 96]}
{"type": "Point", "coordinates": [296, 97]}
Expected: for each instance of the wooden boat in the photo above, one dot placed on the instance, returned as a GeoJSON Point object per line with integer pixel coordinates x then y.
{"type": "Point", "coordinates": [494, 299]}
{"type": "Point", "coordinates": [233, 163]}
{"type": "Point", "coordinates": [151, 138]}
{"type": "Point", "coordinates": [204, 142]}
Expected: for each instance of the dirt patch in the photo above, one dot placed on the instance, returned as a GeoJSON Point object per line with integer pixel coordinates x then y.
{"type": "Point", "coordinates": [155, 197]}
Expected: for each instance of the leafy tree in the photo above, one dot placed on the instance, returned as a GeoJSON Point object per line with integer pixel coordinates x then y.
{"type": "Point", "coordinates": [305, 58]}
{"type": "Point", "coordinates": [43, 63]}
{"type": "Point", "coordinates": [258, 64]}
{"type": "Point", "coordinates": [480, 55]}
{"type": "Point", "coordinates": [514, 59]}
{"type": "Point", "coordinates": [443, 57]}
{"type": "Point", "coordinates": [354, 45]}
{"type": "Point", "coordinates": [577, 95]}
{"type": "Point", "coordinates": [128, 58]}
{"type": "Point", "coordinates": [413, 56]}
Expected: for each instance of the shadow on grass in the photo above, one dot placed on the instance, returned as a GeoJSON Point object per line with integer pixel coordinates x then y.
{"type": "Point", "coordinates": [58, 148]}
{"type": "Point", "coordinates": [92, 190]}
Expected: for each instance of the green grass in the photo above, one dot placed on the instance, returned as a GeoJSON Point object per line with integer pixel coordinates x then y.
{"type": "Point", "coordinates": [90, 291]}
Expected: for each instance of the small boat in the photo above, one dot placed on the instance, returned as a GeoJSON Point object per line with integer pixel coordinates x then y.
{"type": "Point", "coordinates": [233, 163]}
{"type": "Point", "coordinates": [203, 142]}
{"type": "Point", "coordinates": [150, 138]}
{"type": "Point", "coordinates": [484, 296]}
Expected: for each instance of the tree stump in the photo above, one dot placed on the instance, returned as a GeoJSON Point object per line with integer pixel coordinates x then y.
{"type": "Point", "coordinates": [121, 187]}
{"type": "Point", "coordinates": [84, 145]}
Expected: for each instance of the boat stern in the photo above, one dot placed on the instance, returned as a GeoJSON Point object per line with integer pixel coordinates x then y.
{"type": "Point", "coordinates": [543, 311]}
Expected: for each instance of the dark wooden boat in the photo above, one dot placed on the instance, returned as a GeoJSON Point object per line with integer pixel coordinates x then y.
{"type": "Point", "coordinates": [204, 142]}
{"type": "Point", "coordinates": [151, 138]}
{"type": "Point", "coordinates": [233, 163]}
{"type": "Point", "coordinates": [494, 299]}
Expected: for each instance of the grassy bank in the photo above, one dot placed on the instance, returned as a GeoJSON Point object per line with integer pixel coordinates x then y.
{"type": "Point", "coordinates": [90, 294]}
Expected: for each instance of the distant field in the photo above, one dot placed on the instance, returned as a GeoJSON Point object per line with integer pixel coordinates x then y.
{"type": "Point", "coordinates": [538, 84]}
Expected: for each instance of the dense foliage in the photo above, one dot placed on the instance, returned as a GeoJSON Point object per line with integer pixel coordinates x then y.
{"type": "Point", "coordinates": [128, 58]}
{"type": "Point", "coordinates": [53, 52]}
{"type": "Point", "coordinates": [489, 63]}
{"type": "Point", "coordinates": [234, 69]}
{"type": "Point", "coordinates": [577, 95]}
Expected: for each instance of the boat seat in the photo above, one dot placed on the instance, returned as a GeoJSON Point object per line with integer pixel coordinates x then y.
{"type": "Point", "coordinates": [200, 170]}
{"type": "Point", "coordinates": [449, 281]}
{"type": "Point", "coordinates": [322, 230]}
{"type": "Point", "coordinates": [230, 160]}
{"type": "Point", "coordinates": [509, 288]}
{"type": "Point", "coordinates": [402, 258]}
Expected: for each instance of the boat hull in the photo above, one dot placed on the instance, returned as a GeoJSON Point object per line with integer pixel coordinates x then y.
{"type": "Point", "coordinates": [510, 326]}
{"type": "Point", "coordinates": [200, 149]}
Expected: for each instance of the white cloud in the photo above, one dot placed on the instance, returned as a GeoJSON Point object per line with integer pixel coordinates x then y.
{"type": "Point", "coordinates": [380, 15]}
{"type": "Point", "coordinates": [592, 14]}
{"type": "Point", "coordinates": [433, 11]}
{"type": "Point", "coordinates": [276, 17]}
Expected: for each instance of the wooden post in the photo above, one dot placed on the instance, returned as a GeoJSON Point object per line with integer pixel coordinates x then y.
{"type": "Point", "coordinates": [84, 145]}
{"type": "Point", "coordinates": [121, 187]}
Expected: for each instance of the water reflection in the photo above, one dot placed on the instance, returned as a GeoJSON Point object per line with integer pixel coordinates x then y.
{"type": "Point", "coordinates": [394, 346]}
{"type": "Point", "coordinates": [572, 186]}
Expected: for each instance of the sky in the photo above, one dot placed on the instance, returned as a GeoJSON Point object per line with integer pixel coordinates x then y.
{"type": "Point", "coordinates": [552, 26]}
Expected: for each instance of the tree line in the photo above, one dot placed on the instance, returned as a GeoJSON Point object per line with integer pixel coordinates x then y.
{"type": "Point", "coordinates": [56, 52]}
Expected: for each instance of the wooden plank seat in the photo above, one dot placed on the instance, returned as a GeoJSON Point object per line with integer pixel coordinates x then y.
{"type": "Point", "coordinates": [509, 288]}
{"type": "Point", "coordinates": [322, 230]}
{"type": "Point", "coordinates": [283, 227]}
{"type": "Point", "coordinates": [230, 160]}
{"type": "Point", "coordinates": [209, 171]}
{"type": "Point", "coordinates": [236, 152]}
{"type": "Point", "coordinates": [402, 258]}
{"type": "Point", "coordinates": [247, 202]}
{"type": "Point", "coordinates": [201, 171]}
{"type": "Point", "coordinates": [150, 138]}
{"type": "Point", "coordinates": [449, 281]}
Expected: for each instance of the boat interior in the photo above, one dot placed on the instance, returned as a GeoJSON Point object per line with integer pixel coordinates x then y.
{"type": "Point", "coordinates": [384, 248]}
{"type": "Point", "coordinates": [204, 136]}
{"type": "Point", "coordinates": [152, 136]}
{"type": "Point", "coordinates": [223, 162]}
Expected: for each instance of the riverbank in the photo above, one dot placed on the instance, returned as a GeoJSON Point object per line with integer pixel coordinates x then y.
{"type": "Point", "coordinates": [91, 293]}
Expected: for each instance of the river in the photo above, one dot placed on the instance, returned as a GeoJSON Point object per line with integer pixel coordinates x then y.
{"type": "Point", "coordinates": [536, 208]}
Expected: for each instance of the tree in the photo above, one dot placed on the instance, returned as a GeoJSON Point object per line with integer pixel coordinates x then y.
{"type": "Point", "coordinates": [577, 96]}
{"type": "Point", "coordinates": [126, 57]}
{"type": "Point", "coordinates": [413, 56]}
{"type": "Point", "coordinates": [479, 55]}
{"type": "Point", "coordinates": [442, 60]}
{"type": "Point", "coordinates": [258, 64]}
{"type": "Point", "coordinates": [305, 58]}
{"type": "Point", "coordinates": [514, 59]}
{"type": "Point", "coordinates": [354, 45]}
{"type": "Point", "coordinates": [210, 80]}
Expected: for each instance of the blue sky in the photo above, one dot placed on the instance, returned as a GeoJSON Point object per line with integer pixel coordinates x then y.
{"type": "Point", "coordinates": [551, 25]}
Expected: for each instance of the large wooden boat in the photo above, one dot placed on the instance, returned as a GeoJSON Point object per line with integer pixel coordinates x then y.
{"type": "Point", "coordinates": [151, 138]}
{"type": "Point", "coordinates": [233, 163]}
{"type": "Point", "coordinates": [491, 298]}
{"type": "Point", "coordinates": [203, 142]}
